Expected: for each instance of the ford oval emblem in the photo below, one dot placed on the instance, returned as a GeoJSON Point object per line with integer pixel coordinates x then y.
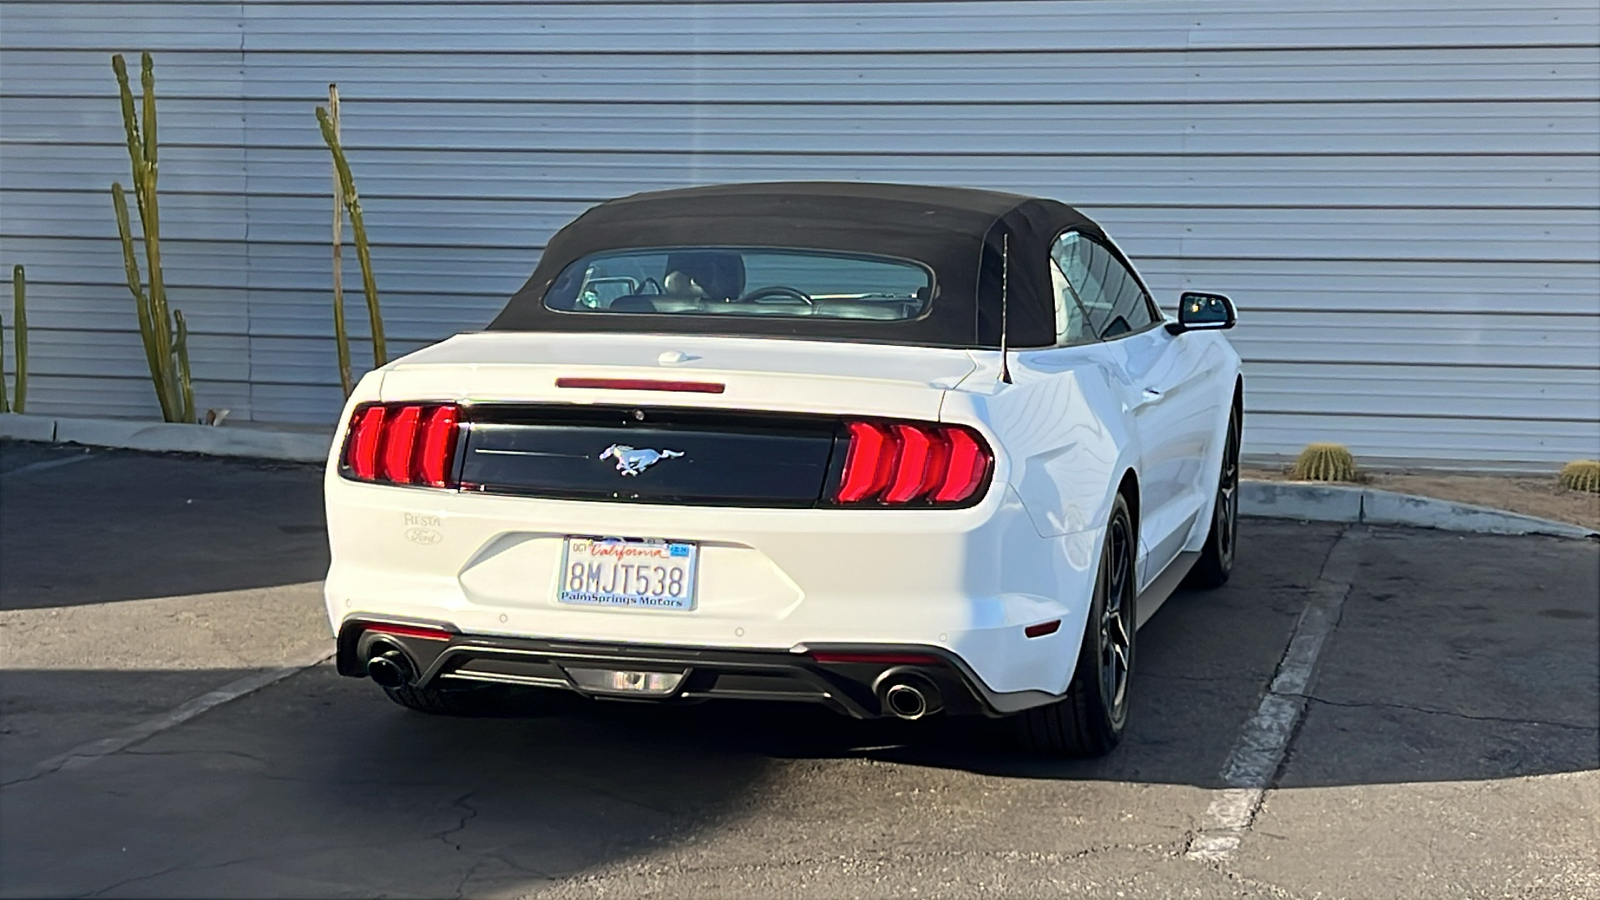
{"type": "Point", "coordinates": [420, 535]}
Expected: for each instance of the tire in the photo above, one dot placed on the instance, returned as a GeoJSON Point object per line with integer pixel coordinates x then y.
{"type": "Point", "coordinates": [1089, 720]}
{"type": "Point", "coordinates": [1215, 564]}
{"type": "Point", "coordinates": [458, 702]}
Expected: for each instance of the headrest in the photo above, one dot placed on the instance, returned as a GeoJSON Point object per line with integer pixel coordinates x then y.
{"type": "Point", "coordinates": [720, 273]}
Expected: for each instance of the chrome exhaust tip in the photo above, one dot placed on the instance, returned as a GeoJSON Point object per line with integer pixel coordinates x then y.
{"type": "Point", "coordinates": [905, 702]}
{"type": "Point", "coordinates": [907, 694]}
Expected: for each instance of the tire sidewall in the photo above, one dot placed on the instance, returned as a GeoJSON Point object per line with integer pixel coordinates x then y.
{"type": "Point", "coordinates": [1114, 717]}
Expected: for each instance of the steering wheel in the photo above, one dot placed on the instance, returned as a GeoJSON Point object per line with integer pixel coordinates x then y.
{"type": "Point", "coordinates": [778, 293]}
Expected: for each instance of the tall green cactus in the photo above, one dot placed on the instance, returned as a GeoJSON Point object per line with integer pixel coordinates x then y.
{"type": "Point", "coordinates": [341, 335]}
{"type": "Point", "coordinates": [352, 202]}
{"type": "Point", "coordinates": [167, 358]}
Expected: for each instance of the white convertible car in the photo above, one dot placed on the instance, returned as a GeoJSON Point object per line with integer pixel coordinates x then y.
{"type": "Point", "coordinates": [896, 450]}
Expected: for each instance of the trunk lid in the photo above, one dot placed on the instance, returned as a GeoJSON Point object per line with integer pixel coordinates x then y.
{"type": "Point", "coordinates": [758, 374]}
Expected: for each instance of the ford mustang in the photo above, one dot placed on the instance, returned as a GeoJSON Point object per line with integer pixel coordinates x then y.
{"type": "Point", "coordinates": [896, 450]}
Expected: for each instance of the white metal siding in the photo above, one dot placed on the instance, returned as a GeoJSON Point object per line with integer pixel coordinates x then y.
{"type": "Point", "coordinates": [1403, 197]}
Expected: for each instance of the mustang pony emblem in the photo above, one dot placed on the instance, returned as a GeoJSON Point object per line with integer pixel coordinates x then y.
{"type": "Point", "coordinates": [632, 462]}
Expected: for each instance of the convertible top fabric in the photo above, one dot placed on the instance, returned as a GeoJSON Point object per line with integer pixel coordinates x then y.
{"type": "Point", "coordinates": [956, 232]}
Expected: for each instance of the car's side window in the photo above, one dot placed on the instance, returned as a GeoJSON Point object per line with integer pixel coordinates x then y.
{"type": "Point", "coordinates": [1110, 294]}
{"type": "Point", "coordinates": [1072, 326]}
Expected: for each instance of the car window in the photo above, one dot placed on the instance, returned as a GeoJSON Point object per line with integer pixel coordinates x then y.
{"type": "Point", "coordinates": [1111, 295]}
{"type": "Point", "coordinates": [733, 281]}
{"type": "Point", "coordinates": [1071, 324]}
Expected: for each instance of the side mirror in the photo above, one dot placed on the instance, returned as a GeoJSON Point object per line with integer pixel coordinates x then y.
{"type": "Point", "coordinates": [1203, 312]}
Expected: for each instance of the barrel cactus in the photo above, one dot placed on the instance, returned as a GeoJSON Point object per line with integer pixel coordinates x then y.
{"type": "Point", "coordinates": [1581, 475]}
{"type": "Point", "coordinates": [1325, 462]}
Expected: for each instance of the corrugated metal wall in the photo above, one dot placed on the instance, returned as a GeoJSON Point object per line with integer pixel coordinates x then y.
{"type": "Point", "coordinates": [1403, 197]}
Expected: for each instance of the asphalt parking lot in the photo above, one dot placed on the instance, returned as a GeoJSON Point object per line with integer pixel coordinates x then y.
{"type": "Point", "coordinates": [1449, 745]}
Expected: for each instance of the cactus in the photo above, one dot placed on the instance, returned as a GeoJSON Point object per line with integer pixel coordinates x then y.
{"type": "Point", "coordinates": [167, 358]}
{"type": "Point", "coordinates": [1325, 462]}
{"type": "Point", "coordinates": [341, 335]}
{"type": "Point", "coordinates": [352, 203]}
{"type": "Point", "coordinates": [1581, 475]}
{"type": "Point", "coordinates": [19, 335]}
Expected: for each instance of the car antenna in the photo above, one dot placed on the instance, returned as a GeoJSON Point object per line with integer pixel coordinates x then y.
{"type": "Point", "coordinates": [1005, 298]}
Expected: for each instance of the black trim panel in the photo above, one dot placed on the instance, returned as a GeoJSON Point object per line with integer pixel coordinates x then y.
{"type": "Point", "coordinates": [710, 673]}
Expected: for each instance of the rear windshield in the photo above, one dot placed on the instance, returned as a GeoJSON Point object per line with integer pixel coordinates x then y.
{"type": "Point", "coordinates": [731, 281]}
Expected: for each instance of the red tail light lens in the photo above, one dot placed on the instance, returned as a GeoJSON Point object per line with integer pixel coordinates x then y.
{"type": "Point", "coordinates": [361, 452]}
{"type": "Point", "coordinates": [869, 463]}
{"type": "Point", "coordinates": [912, 463]}
{"type": "Point", "coordinates": [438, 447]}
{"type": "Point", "coordinates": [399, 439]}
{"type": "Point", "coordinates": [402, 444]}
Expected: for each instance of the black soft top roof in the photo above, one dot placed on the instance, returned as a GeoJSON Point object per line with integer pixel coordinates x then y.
{"type": "Point", "coordinates": [956, 232]}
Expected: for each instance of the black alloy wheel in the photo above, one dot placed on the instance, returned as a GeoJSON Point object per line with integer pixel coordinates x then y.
{"type": "Point", "coordinates": [1088, 721]}
{"type": "Point", "coordinates": [1215, 564]}
{"type": "Point", "coordinates": [1116, 621]}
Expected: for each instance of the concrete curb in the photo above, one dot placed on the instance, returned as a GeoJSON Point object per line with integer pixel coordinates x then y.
{"type": "Point", "coordinates": [1339, 503]}
{"type": "Point", "coordinates": [242, 440]}
{"type": "Point", "coordinates": [1269, 499]}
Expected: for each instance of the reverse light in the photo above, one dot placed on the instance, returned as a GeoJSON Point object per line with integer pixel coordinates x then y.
{"type": "Point", "coordinates": [912, 463]}
{"type": "Point", "coordinates": [400, 443]}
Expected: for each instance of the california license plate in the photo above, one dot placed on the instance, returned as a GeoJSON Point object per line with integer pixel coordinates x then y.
{"type": "Point", "coordinates": [611, 571]}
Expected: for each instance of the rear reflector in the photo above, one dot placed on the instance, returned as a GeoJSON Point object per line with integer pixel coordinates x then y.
{"type": "Point", "coordinates": [906, 463]}
{"type": "Point", "coordinates": [402, 444]}
{"type": "Point", "coordinates": [1043, 628]}
{"type": "Point", "coordinates": [422, 632]}
{"type": "Point", "coordinates": [642, 384]}
{"type": "Point", "coordinates": [884, 659]}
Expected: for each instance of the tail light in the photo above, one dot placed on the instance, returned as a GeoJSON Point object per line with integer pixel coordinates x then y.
{"type": "Point", "coordinates": [912, 464]}
{"type": "Point", "coordinates": [402, 443]}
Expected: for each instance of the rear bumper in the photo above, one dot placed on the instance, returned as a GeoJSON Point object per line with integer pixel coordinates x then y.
{"type": "Point", "coordinates": [967, 581]}
{"type": "Point", "coordinates": [848, 686]}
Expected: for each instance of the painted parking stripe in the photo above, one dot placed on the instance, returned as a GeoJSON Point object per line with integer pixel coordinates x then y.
{"type": "Point", "coordinates": [1259, 749]}
{"type": "Point", "coordinates": [45, 464]}
{"type": "Point", "coordinates": [85, 754]}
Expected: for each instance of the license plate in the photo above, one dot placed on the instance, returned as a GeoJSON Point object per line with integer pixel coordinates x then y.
{"type": "Point", "coordinates": [610, 571]}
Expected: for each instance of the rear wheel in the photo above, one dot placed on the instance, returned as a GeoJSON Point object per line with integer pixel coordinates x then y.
{"type": "Point", "coordinates": [1215, 564]}
{"type": "Point", "coordinates": [1089, 720]}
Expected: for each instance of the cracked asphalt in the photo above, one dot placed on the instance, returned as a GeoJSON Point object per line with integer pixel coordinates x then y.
{"type": "Point", "coordinates": [1449, 746]}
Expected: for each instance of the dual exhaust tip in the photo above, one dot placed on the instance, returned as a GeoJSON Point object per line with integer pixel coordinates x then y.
{"type": "Point", "coordinates": [903, 693]}
{"type": "Point", "coordinates": [389, 668]}
{"type": "Point", "coordinates": [908, 694]}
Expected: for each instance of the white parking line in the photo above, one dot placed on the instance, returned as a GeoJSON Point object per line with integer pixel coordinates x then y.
{"type": "Point", "coordinates": [84, 754]}
{"type": "Point", "coordinates": [46, 464]}
{"type": "Point", "coordinates": [1259, 750]}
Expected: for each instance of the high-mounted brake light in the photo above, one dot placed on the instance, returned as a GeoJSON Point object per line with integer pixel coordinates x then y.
{"type": "Point", "coordinates": [402, 444]}
{"type": "Point", "coordinates": [904, 463]}
{"type": "Point", "coordinates": [642, 384]}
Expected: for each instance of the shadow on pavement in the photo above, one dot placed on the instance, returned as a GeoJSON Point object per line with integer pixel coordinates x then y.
{"type": "Point", "coordinates": [122, 525]}
{"type": "Point", "coordinates": [1456, 660]}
